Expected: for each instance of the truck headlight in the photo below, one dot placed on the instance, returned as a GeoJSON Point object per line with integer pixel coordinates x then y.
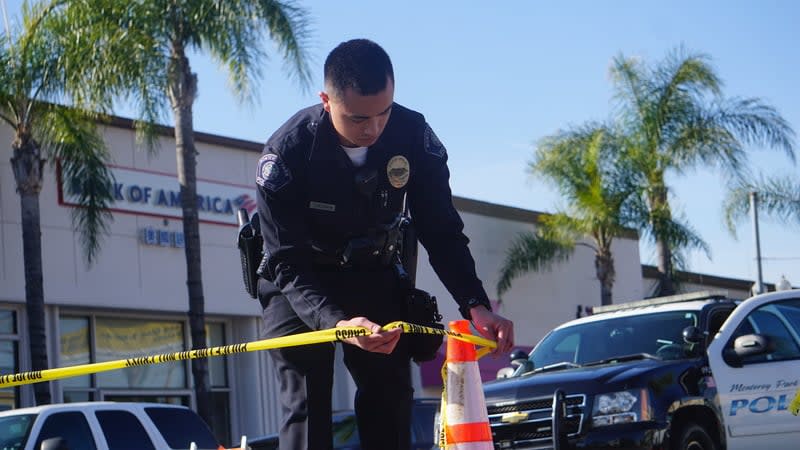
{"type": "Point", "coordinates": [620, 407]}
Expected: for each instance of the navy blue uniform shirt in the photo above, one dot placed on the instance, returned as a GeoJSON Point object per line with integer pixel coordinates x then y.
{"type": "Point", "coordinates": [307, 198]}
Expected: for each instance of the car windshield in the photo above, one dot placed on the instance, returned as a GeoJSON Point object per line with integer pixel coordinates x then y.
{"type": "Point", "coordinates": [14, 431]}
{"type": "Point", "coordinates": [647, 335]}
{"type": "Point", "coordinates": [181, 427]}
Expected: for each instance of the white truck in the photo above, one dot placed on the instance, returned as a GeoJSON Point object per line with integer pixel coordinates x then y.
{"type": "Point", "coordinates": [690, 372]}
{"type": "Point", "coordinates": [104, 426]}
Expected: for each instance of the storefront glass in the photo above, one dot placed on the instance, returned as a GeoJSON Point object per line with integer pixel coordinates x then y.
{"type": "Point", "coordinates": [9, 357]}
{"type": "Point", "coordinates": [128, 338]}
{"type": "Point", "coordinates": [75, 350]}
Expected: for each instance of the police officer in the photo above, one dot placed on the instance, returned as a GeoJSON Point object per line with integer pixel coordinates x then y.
{"type": "Point", "coordinates": [333, 185]}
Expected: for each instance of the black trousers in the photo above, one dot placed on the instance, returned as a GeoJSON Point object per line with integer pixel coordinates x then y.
{"type": "Point", "coordinates": [305, 373]}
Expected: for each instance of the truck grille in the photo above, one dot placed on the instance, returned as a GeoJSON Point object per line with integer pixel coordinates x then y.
{"type": "Point", "coordinates": [528, 422]}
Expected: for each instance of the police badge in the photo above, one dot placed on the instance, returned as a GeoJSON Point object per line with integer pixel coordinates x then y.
{"type": "Point", "coordinates": [398, 170]}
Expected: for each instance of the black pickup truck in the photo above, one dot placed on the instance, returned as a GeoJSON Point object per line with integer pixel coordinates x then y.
{"type": "Point", "coordinates": [691, 372]}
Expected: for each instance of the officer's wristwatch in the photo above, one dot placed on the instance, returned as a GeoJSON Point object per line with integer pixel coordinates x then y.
{"type": "Point", "coordinates": [464, 309]}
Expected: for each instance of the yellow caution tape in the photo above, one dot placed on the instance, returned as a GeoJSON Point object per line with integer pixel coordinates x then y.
{"type": "Point", "coordinates": [312, 337]}
{"type": "Point", "coordinates": [794, 406]}
{"type": "Point", "coordinates": [442, 438]}
{"type": "Point", "coordinates": [488, 345]}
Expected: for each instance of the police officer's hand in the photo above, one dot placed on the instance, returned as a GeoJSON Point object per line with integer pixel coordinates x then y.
{"type": "Point", "coordinates": [379, 341]}
{"type": "Point", "coordinates": [494, 327]}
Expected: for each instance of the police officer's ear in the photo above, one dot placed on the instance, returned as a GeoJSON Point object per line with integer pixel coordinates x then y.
{"type": "Point", "coordinates": [326, 101]}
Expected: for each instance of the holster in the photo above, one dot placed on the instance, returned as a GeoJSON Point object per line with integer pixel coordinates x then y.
{"type": "Point", "coordinates": [251, 250]}
{"type": "Point", "coordinates": [423, 310]}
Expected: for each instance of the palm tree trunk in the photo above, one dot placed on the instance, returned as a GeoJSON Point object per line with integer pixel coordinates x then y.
{"type": "Point", "coordinates": [665, 284]}
{"type": "Point", "coordinates": [660, 216]}
{"type": "Point", "coordinates": [604, 267]}
{"type": "Point", "coordinates": [182, 92]}
{"type": "Point", "coordinates": [28, 165]}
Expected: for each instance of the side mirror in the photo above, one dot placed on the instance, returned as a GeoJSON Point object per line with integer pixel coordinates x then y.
{"type": "Point", "coordinates": [693, 335]}
{"type": "Point", "coordinates": [746, 346]}
{"type": "Point", "coordinates": [505, 372]}
{"type": "Point", "coordinates": [753, 345]}
{"type": "Point", "coordinates": [518, 357]}
{"type": "Point", "coordinates": [55, 443]}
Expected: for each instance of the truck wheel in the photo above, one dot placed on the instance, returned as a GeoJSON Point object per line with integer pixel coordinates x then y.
{"type": "Point", "coordinates": [694, 437]}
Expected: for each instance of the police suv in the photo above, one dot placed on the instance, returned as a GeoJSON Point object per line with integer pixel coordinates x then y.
{"type": "Point", "coordinates": [693, 371]}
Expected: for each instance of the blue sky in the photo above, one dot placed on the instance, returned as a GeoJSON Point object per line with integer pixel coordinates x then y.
{"type": "Point", "coordinates": [494, 77]}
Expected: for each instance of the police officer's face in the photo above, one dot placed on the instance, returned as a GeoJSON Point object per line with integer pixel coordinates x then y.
{"type": "Point", "coordinates": [359, 119]}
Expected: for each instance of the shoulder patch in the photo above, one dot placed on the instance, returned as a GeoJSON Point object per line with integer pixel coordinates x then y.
{"type": "Point", "coordinates": [432, 143]}
{"type": "Point", "coordinates": [272, 172]}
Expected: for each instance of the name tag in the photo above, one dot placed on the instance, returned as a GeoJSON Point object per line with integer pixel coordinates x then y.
{"type": "Point", "coordinates": [322, 206]}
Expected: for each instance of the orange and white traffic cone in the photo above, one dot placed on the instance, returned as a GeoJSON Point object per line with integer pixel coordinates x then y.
{"type": "Point", "coordinates": [465, 422]}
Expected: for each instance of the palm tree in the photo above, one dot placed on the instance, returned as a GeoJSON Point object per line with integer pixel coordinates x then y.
{"type": "Point", "coordinates": [156, 70]}
{"type": "Point", "coordinates": [34, 77]}
{"type": "Point", "coordinates": [779, 197]}
{"type": "Point", "coordinates": [599, 189]}
{"type": "Point", "coordinates": [677, 119]}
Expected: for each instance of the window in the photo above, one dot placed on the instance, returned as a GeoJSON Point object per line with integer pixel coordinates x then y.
{"type": "Point", "coordinates": [123, 431]}
{"type": "Point", "coordinates": [181, 427]}
{"type": "Point", "coordinates": [75, 350]}
{"type": "Point", "coordinates": [658, 334]}
{"type": "Point", "coordinates": [422, 423]}
{"type": "Point", "coordinates": [345, 433]}
{"type": "Point", "coordinates": [215, 337]}
{"type": "Point", "coordinates": [14, 430]}
{"type": "Point", "coordinates": [9, 357]}
{"type": "Point", "coordinates": [777, 321]}
{"type": "Point", "coordinates": [126, 338]}
{"type": "Point", "coordinates": [218, 376]}
{"type": "Point", "coordinates": [70, 426]}
{"type": "Point", "coordinates": [715, 321]}
{"type": "Point", "coordinates": [89, 338]}
{"type": "Point", "coordinates": [791, 311]}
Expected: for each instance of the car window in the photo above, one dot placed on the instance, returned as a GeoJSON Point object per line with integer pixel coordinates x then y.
{"type": "Point", "coordinates": [123, 431]}
{"type": "Point", "coordinates": [715, 321]}
{"type": "Point", "coordinates": [422, 424]}
{"type": "Point", "coordinates": [772, 320]}
{"type": "Point", "coordinates": [657, 334]}
{"type": "Point", "coordinates": [345, 431]}
{"type": "Point", "coordinates": [791, 311]}
{"type": "Point", "coordinates": [14, 431]}
{"type": "Point", "coordinates": [180, 427]}
{"type": "Point", "coordinates": [70, 426]}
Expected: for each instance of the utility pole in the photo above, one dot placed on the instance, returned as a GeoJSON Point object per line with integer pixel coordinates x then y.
{"type": "Point", "coordinates": [759, 286]}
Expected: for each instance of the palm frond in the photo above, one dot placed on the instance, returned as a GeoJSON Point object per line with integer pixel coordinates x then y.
{"type": "Point", "coordinates": [778, 197]}
{"type": "Point", "coordinates": [756, 123]}
{"type": "Point", "coordinates": [71, 138]}
{"type": "Point", "coordinates": [234, 33]}
{"type": "Point", "coordinates": [531, 252]}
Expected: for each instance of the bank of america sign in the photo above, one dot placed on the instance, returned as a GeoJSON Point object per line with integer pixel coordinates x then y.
{"type": "Point", "coordinates": [158, 194]}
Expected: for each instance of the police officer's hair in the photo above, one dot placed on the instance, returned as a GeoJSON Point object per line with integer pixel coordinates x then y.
{"type": "Point", "coordinates": [359, 64]}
